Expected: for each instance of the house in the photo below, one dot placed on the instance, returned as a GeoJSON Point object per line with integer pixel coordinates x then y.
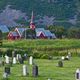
{"type": "Point", "coordinates": [13, 35]}
{"type": "Point", "coordinates": [20, 31]}
{"type": "Point", "coordinates": [17, 33]}
{"type": "Point", "coordinates": [4, 28]}
{"type": "Point", "coordinates": [44, 34]}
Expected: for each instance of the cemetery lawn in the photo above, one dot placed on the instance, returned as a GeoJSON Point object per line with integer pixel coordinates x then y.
{"type": "Point", "coordinates": [47, 69]}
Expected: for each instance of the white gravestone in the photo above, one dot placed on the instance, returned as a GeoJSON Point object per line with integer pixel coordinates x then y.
{"type": "Point", "coordinates": [5, 75]}
{"type": "Point", "coordinates": [31, 60]}
{"type": "Point", "coordinates": [17, 57]}
{"type": "Point", "coordinates": [69, 54]}
{"type": "Point", "coordinates": [14, 60]}
{"type": "Point", "coordinates": [7, 59]}
{"type": "Point", "coordinates": [68, 57]}
{"type": "Point", "coordinates": [62, 57]}
{"type": "Point", "coordinates": [49, 79]}
{"type": "Point", "coordinates": [77, 74]}
{"type": "Point", "coordinates": [24, 70]}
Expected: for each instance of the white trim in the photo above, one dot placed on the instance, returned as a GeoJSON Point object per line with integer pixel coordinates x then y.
{"type": "Point", "coordinates": [16, 29]}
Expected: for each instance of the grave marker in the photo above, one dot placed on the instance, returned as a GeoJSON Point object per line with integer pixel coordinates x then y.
{"type": "Point", "coordinates": [62, 58]}
{"type": "Point", "coordinates": [21, 61]}
{"type": "Point", "coordinates": [7, 59]}
{"type": "Point", "coordinates": [77, 74]}
{"type": "Point", "coordinates": [25, 72]}
{"type": "Point", "coordinates": [35, 71]}
{"type": "Point", "coordinates": [60, 63]}
{"type": "Point", "coordinates": [14, 60]}
{"type": "Point", "coordinates": [7, 70]}
{"type": "Point", "coordinates": [31, 60]}
{"type": "Point", "coordinates": [5, 76]}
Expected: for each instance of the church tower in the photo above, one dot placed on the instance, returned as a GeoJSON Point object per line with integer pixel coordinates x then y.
{"type": "Point", "coordinates": [32, 25]}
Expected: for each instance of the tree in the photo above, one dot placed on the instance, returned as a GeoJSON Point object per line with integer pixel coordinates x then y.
{"type": "Point", "coordinates": [30, 34]}
{"type": "Point", "coordinates": [58, 30]}
{"type": "Point", "coordinates": [73, 32]}
{"type": "Point", "coordinates": [0, 35]}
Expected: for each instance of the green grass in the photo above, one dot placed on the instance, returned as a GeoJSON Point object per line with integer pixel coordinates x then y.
{"type": "Point", "coordinates": [54, 44]}
{"type": "Point", "coordinates": [47, 69]}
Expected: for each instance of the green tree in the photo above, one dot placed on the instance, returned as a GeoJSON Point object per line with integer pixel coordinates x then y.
{"type": "Point", "coordinates": [73, 32]}
{"type": "Point", "coordinates": [58, 30]}
{"type": "Point", "coordinates": [29, 34]}
{"type": "Point", "coordinates": [0, 35]}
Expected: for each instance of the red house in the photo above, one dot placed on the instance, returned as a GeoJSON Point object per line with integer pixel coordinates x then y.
{"type": "Point", "coordinates": [13, 36]}
{"type": "Point", "coordinates": [41, 33]}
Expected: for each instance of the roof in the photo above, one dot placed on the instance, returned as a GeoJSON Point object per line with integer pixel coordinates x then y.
{"type": "Point", "coordinates": [4, 28]}
{"type": "Point", "coordinates": [14, 33]}
{"type": "Point", "coordinates": [39, 31]}
{"type": "Point", "coordinates": [21, 30]}
{"type": "Point", "coordinates": [46, 33]}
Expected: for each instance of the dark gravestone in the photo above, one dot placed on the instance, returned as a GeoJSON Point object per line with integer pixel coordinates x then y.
{"type": "Point", "coordinates": [25, 56]}
{"type": "Point", "coordinates": [60, 63]}
{"type": "Point", "coordinates": [7, 70]}
{"type": "Point", "coordinates": [13, 53]}
{"type": "Point", "coordinates": [21, 61]}
{"type": "Point", "coordinates": [35, 71]}
{"type": "Point", "coordinates": [77, 75]}
{"type": "Point", "coordinates": [66, 58]}
{"type": "Point", "coordinates": [50, 58]}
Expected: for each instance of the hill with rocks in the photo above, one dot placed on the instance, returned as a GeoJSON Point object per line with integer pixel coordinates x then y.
{"type": "Point", "coordinates": [46, 12]}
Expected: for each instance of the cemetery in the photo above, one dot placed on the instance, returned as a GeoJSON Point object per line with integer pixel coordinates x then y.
{"type": "Point", "coordinates": [26, 63]}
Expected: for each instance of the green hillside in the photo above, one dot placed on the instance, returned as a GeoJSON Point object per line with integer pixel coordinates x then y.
{"type": "Point", "coordinates": [60, 9]}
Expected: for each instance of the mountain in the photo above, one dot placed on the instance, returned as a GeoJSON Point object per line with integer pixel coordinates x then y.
{"type": "Point", "coordinates": [46, 12]}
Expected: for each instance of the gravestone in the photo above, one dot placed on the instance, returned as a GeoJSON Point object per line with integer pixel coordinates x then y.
{"type": "Point", "coordinates": [7, 70]}
{"type": "Point", "coordinates": [13, 54]}
{"type": "Point", "coordinates": [14, 60]}
{"type": "Point", "coordinates": [5, 76]}
{"type": "Point", "coordinates": [62, 58]}
{"type": "Point", "coordinates": [77, 74]}
{"type": "Point", "coordinates": [67, 58]}
{"type": "Point", "coordinates": [50, 57]}
{"type": "Point", "coordinates": [17, 56]}
{"type": "Point", "coordinates": [60, 63]}
{"type": "Point", "coordinates": [49, 79]}
{"type": "Point", "coordinates": [69, 54]}
{"type": "Point", "coordinates": [7, 59]}
{"type": "Point", "coordinates": [21, 61]}
{"type": "Point", "coordinates": [35, 71]}
{"type": "Point", "coordinates": [25, 71]}
{"type": "Point", "coordinates": [25, 56]}
{"type": "Point", "coordinates": [31, 60]}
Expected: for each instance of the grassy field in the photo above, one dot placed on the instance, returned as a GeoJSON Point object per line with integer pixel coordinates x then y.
{"type": "Point", "coordinates": [57, 43]}
{"type": "Point", "coordinates": [43, 48]}
{"type": "Point", "coordinates": [47, 69]}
